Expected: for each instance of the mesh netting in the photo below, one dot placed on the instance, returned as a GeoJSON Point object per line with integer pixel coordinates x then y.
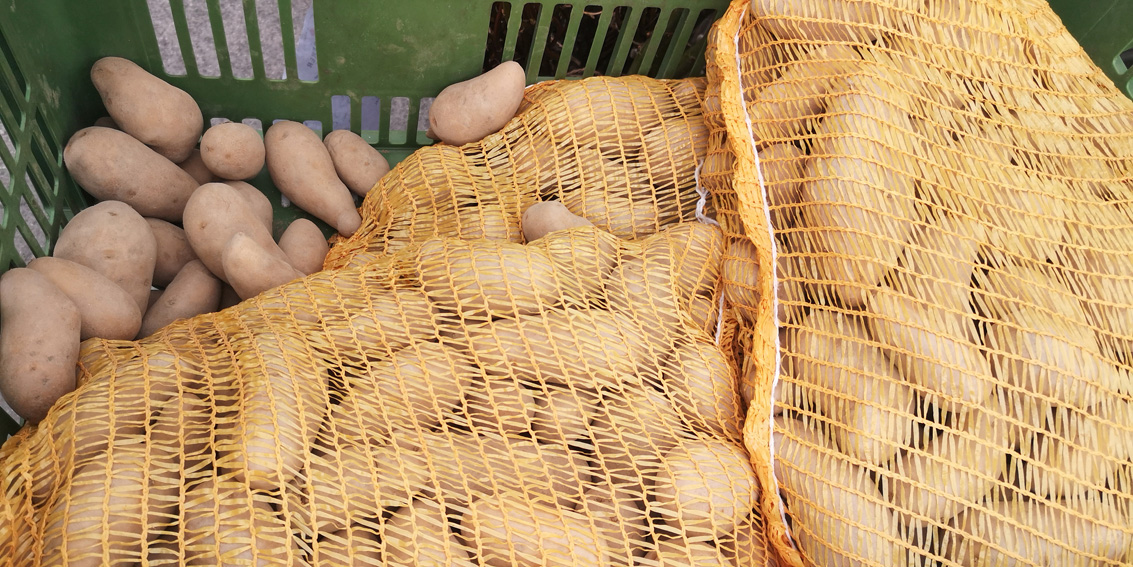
{"type": "Point", "coordinates": [928, 225]}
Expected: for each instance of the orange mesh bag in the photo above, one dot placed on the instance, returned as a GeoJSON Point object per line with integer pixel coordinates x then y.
{"type": "Point", "coordinates": [459, 402]}
{"type": "Point", "coordinates": [620, 152]}
{"type": "Point", "coordinates": [929, 234]}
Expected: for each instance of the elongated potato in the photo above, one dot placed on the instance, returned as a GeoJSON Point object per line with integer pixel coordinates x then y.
{"type": "Point", "coordinates": [509, 530]}
{"type": "Point", "coordinates": [258, 202]}
{"type": "Point", "coordinates": [194, 291]}
{"type": "Point", "coordinates": [214, 214]}
{"type": "Point", "coordinates": [586, 254]}
{"type": "Point", "coordinates": [672, 151]}
{"type": "Point", "coordinates": [800, 91]}
{"type": "Point", "coordinates": [233, 150]}
{"type": "Point", "coordinates": [158, 114]}
{"type": "Point", "coordinates": [358, 164]}
{"type": "Point", "coordinates": [39, 342]}
{"type": "Point", "coordinates": [705, 487]}
{"type": "Point", "coordinates": [115, 241]}
{"type": "Point", "coordinates": [252, 270]}
{"type": "Point", "coordinates": [302, 168]}
{"type": "Point", "coordinates": [221, 525]}
{"type": "Point", "coordinates": [173, 251]}
{"type": "Point", "coordinates": [837, 21]}
{"type": "Point", "coordinates": [105, 309]}
{"type": "Point", "coordinates": [1069, 453]}
{"type": "Point", "coordinates": [421, 535]}
{"type": "Point", "coordinates": [839, 516]}
{"type": "Point", "coordinates": [304, 245]}
{"type": "Point", "coordinates": [702, 386]}
{"type": "Point", "coordinates": [466, 112]}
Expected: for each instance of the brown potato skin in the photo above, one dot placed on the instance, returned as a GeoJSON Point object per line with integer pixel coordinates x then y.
{"type": "Point", "coordinates": [468, 111]}
{"type": "Point", "coordinates": [39, 342]}
{"type": "Point", "coordinates": [112, 165]}
{"type": "Point", "coordinates": [194, 291]}
{"type": "Point", "coordinates": [106, 310]}
{"type": "Point", "coordinates": [195, 166]}
{"type": "Point", "coordinates": [358, 164]}
{"type": "Point", "coordinates": [173, 251]}
{"type": "Point", "coordinates": [233, 150]}
{"type": "Point", "coordinates": [158, 114]}
{"type": "Point", "coordinates": [256, 199]}
{"type": "Point", "coordinates": [251, 269]}
{"type": "Point", "coordinates": [302, 168]}
{"type": "Point", "coordinates": [216, 212]}
{"type": "Point", "coordinates": [115, 241]}
{"type": "Point", "coordinates": [305, 245]}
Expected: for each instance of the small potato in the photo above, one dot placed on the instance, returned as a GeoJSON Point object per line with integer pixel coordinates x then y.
{"type": "Point", "coordinates": [173, 251]}
{"type": "Point", "coordinates": [113, 166]}
{"type": "Point", "coordinates": [232, 150]}
{"type": "Point", "coordinates": [195, 166]}
{"type": "Point", "coordinates": [420, 535]}
{"type": "Point", "coordinates": [509, 530]}
{"type": "Point", "coordinates": [158, 114]}
{"type": "Point", "coordinates": [251, 270]}
{"type": "Point", "coordinates": [39, 342]}
{"type": "Point", "coordinates": [358, 164]}
{"type": "Point", "coordinates": [259, 203]}
{"type": "Point", "coordinates": [106, 310]}
{"type": "Point", "coordinates": [304, 245]}
{"type": "Point", "coordinates": [303, 170]}
{"type": "Point", "coordinates": [194, 291]}
{"type": "Point", "coordinates": [549, 216]}
{"type": "Point", "coordinates": [115, 241]}
{"type": "Point", "coordinates": [214, 214]}
{"type": "Point", "coordinates": [705, 486]}
{"type": "Point", "coordinates": [468, 111]}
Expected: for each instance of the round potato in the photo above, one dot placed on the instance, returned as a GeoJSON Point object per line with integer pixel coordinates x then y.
{"type": "Point", "coordinates": [304, 245]}
{"type": "Point", "coordinates": [232, 150]}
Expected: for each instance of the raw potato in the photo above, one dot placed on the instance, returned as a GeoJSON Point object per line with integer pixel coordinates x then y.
{"type": "Point", "coordinates": [357, 541]}
{"type": "Point", "coordinates": [106, 122]}
{"type": "Point", "coordinates": [705, 487]}
{"type": "Point", "coordinates": [500, 406]}
{"type": "Point", "coordinates": [618, 512]}
{"type": "Point", "coordinates": [419, 535]}
{"type": "Point", "coordinates": [509, 530]}
{"type": "Point", "coordinates": [800, 91]}
{"type": "Point", "coordinates": [233, 150]}
{"type": "Point", "coordinates": [848, 524]}
{"type": "Point", "coordinates": [195, 166]}
{"type": "Point", "coordinates": [558, 417]}
{"type": "Point", "coordinates": [115, 241]}
{"type": "Point", "coordinates": [173, 251]}
{"type": "Point", "coordinates": [840, 20]}
{"type": "Point", "coordinates": [586, 254]}
{"type": "Point", "coordinates": [1066, 454]}
{"type": "Point", "coordinates": [358, 164]}
{"type": "Point", "coordinates": [158, 114]}
{"type": "Point", "coordinates": [302, 169]}
{"type": "Point", "coordinates": [223, 524]}
{"type": "Point", "coordinates": [304, 245]}
{"type": "Point", "coordinates": [39, 342]}
{"type": "Point", "coordinates": [111, 165]}
{"type": "Point", "coordinates": [256, 200]}
{"type": "Point", "coordinates": [252, 270]}
{"type": "Point", "coordinates": [702, 385]}
{"type": "Point", "coordinates": [468, 111]}
{"type": "Point", "coordinates": [748, 545]}
{"type": "Point", "coordinates": [106, 310]}
{"type": "Point", "coordinates": [549, 216]}
{"type": "Point", "coordinates": [194, 291]}
{"type": "Point", "coordinates": [674, 553]}
{"type": "Point", "coordinates": [217, 212]}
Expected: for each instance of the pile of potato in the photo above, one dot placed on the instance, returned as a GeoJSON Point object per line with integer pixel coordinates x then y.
{"type": "Point", "coordinates": [560, 402]}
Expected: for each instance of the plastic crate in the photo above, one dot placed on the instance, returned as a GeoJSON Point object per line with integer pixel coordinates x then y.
{"type": "Point", "coordinates": [1100, 27]}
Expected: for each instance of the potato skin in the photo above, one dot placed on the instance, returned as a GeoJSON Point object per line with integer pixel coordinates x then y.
{"type": "Point", "coordinates": [115, 241]}
{"type": "Point", "coordinates": [194, 291]}
{"type": "Point", "coordinates": [549, 216]}
{"type": "Point", "coordinates": [466, 112]}
{"type": "Point", "coordinates": [358, 164]}
{"type": "Point", "coordinates": [39, 342]}
{"type": "Point", "coordinates": [216, 212]}
{"type": "Point", "coordinates": [251, 269]}
{"type": "Point", "coordinates": [233, 150]}
{"type": "Point", "coordinates": [305, 245]}
{"type": "Point", "coordinates": [158, 114]}
{"type": "Point", "coordinates": [173, 251]}
{"type": "Point", "coordinates": [195, 166]}
{"type": "Point", "coordinates": [112, 165]}
{"type": "Point", "coordinates": [302, 168]}
{"type": "Point", "coordinates": [259, 203]}
{"type": "Point", "coordinates": [106, 310]}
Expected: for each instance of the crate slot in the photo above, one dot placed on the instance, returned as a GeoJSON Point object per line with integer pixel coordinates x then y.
{"type": "Point", "coordinates": [236, 41]}
{"type": "Point", "coordinates": [305, 52]}
{"type": "Point", "coordinates": [609, 36]}
{"type": "Point", "coordinates": [9, 150]}
{"type": "Point", "coordinates": [30, 229]}
{"type": "Point", "coordinates": [23, 250]}
{"type": "Point", "coordinates": [691, 56]}
{"type": "Point", "coordinates": [201, 38]}
{"type": "Point", "coordinates": [271, 39]}
{"type": "Point", "coordinates": [583, 41]}
{"type": "Point", "coordinates": [424, 105]}
{"type": "Point", "coordinates": [255, 123]}
{"type": "Point", "coordinates": [398, 119]}
{"type": "Point", "coordinates": [497, 34]}
{"type": "Point", "coordinates": [316, 125]}
{"type": "Point", "coordinates": [340, 112]}
{"type": "Point", "coordinates": [161, 18]}
{"type": "Point", "coordinates": [556, 35]}
{"type": "Point", "coordinates": [370, 111]}
{"type": "Point", "coordinates": [525, 36]}
{"type": "Point", "coordinates": [45, 167]}
{"type": "Point", "coordinates": [218, 120]}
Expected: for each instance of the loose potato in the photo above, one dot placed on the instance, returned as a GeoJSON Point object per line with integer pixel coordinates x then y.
{"type": "Point", "coordinates": [510, 530]}
{"type": "Point", "coordinates": [549, 216]}
{"type": "Point", "coordinates": [232, 150]}
{"type": "Point", "coordinates": [304, 245]}
{"type": "Point", "coordinates": [158, 114]}
{"type": "Point", "coordinates": [705, 487]}
{"type": "Point", "coordinates": [106, 122]}
{"type": "Point", "coordinates": [115, 241]}
{"type": "Point", "coordinates": [252, 270]}
{"type": "Point", "coordinates": [358, 164]}
{"type": "Point", "coordinates": [302, 169]}
{"type": "Point", "coordinates": [466, 112]}
{"type": "Point", "coordinates": [106, 310]}
{"type": "Point", "coordinates": [420, 535]}
{"type": "Point", "coordinates": [111, 165]}
{"type": "Point", "coordinates": [195, 166]}
{"type": "Point", "coordinates": [173, 251]}
{"type": "Point", "coordinates": [39, 342]}
{"type": "Point", "coordinates": [256, 200]}
{"type": "Point", "coordinates": [194, 291]}
{"type": "Point", "coordinates": [214, 214]}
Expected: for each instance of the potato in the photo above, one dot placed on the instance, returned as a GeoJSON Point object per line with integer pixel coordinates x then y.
{"type": "Point", "coordinates": [672, 151]}
{"type": "Point", "coordinates": [158, 114]}
{"type": "Point", "coordinates": [1066, 453]}
{"type": "Point", "coordinates": [113, 166]}
{"type": "Point", "coordinates": [173, 251]}
{"type": "Point", "coordinates": [800, 91]}
{"type": "Point", "coordinates": [705, 486]}
{"type": "Point", "coordinates": [671, 553]}
{"type": "Point", "coordinates": [221, 524]}
{"type": "Point", "coordinates": [1034, 532]}
{"type": "Point", "coordinates": [257, 201]}
{"type": "Point", "coordinates": [304, 245]}
{"type": "Point", "coordinates": [115, 241]}
{"type": "Point", "coordinates": [846, 521]}
{"type": "Point", "coordinates": [548, 216]}
{"type": "Point", "coordinates": [585, 254]}
{"type": "Point", "coordinates": [702, 386]}
{"type": "Point", "coordinates": [617, 510]}
{"type": "Point", "coordinates": [214, 214]}
{"type": "Point", "coordinates": [106, 122]}
{"type": "Point", "coordinates": [468, 111]}
{"type": "Point", "coordinates": [194, 291]}
{"type": "Point", "coordinates": [631, 433]}
{"type": "Point", "coordinates": [105, 309]}
{"type": "Point", "coordinates": [841, 20]}
{"type": "Point", "coordinates": [747, 546]}
{"type": "Point", "coordinates": [233, 150]}
{"type": "Point", "coordinates": [558, 416]}
{"type": "Point", "coordinates": [195, 166]}
{"type": "Point", "coordinates": [624, 216]}
{"type": "Point", "coordinates": [421, 535]}
{"type": "Point", "coordinates": [251, 270]}
{"type": "Point", "coordinates": [500, 406]}
{"type": "Point", "coordinates": [39, 342]}
{"type": "Point", "coordinates": [302, 169]}
{"type": "Point", "coordinates": [359, 542]}
{"type": "Point", "coordinates": [782, 168]}
{"type": "Point", "coordinates": [510, 530]}
{"type": "Point", "coordinates": [358, 164]}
